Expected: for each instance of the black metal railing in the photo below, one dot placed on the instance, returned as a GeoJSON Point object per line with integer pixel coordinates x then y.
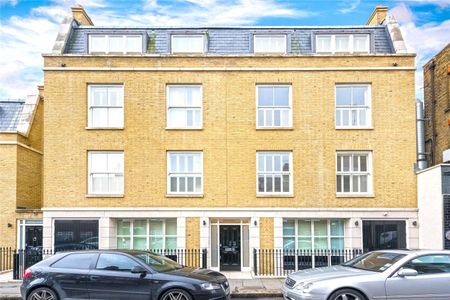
{"type": "Point", "coordinates": [18, 260]}
{"type": "Point", "coordinates": [282, 262]}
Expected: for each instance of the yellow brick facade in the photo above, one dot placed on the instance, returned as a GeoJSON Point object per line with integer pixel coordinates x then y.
{"type": "Point", "coordinates": [229, 138]}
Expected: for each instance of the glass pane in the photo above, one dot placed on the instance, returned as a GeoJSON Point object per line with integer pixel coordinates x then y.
{"type": "Point", "coordinates": [115, 162]}
{"type": "Point", "coordinates": [285, 118]}
{"type": "Point", "coordinates": [189, 118]}
{"type": "Point", "coordinates": [286, 185]}
{"type": "Point", "coordinates": [359, 95]}
{"type": "Point", "coordinates": [140, 243]}
{"type": "Point", "coordinates": [123, 243]}
{"type": "Point", "coordinates": [343, 95]}
{"type": "Point", "coordinates": [363, 183]}
{"type": "Point", "coordinates": [156, 227]}
{"type": "Point", "coordinates": [277, 184]}
{"type": "Point", "coordinates": [173, 184]}
{"type": "Point", "coordinates": [276, 118]}
{"type": "Point", "coordinates": [100, 183]}
{"type": "Point", "coordinates": [269, 117]}
{"type": "Point", "coordinates": [337, 243]}
{"type": "Point", "coordinates": [338, 117]}
{"type": "Point", "coordinates": [116, 184]}
{"type": "Point", "coordinates": [156, 242]}
{"type": "Point", "coordinates": [269, 163]}
{"type": "Point", "coordinates": [98, 43]}
{"type": "Point", "coordinates": [265, 96]}
{"type": "Point", "coordinates": [171, 227]}
{"type": "Point", "coordinates": [355, 163]}
{"type": "Point", "coordinates": [346, 163]}
{"type": "Point", "coordinates": [99, 162]}
{"type": "Point", "coordinates": [181, 163]}
{"type": "Point", "coordinates": [177, 118]}
{"type": "Point", "coordinates": [361, 43]}
{"type": "Point", "coordinates": [195, 95]}
{"type": "Point", "coordinates": [320, 243]}
{"type": "Point", "coordinates": [281, 96]}
{"type": "Point", "coordinates": [320, 228]}
{"type": "Point", "coordinates": [304, 228]}
{"type": "Point", "coordinates": [323, 44]}
{"type": "Point", "coordinates": [197, 163]}
{"type": "Point", "coordinates": [177, 96]}
{"type": "Point", "coordinates": [339, 183]}
{"type": "Point", "coordinates": [363, 162]}
{"type": "Point", "coordinates": [115, 117]}
{"type": "Point", "coordinates": [134, 44]}
{"type": "Point", "coordinates": [198, 184]}
{"type": "Point", "coordinates": [214, 246]}
{"type": "Point", "coordinates": [140, 227]}
{"type": "Point", "coordinates": [337, 228]}
{"type": "Point", "coordinates": [269, 184]}
{"type": "Point", "coordinates": [187, 44]}
{"type": "Point", "coordinates": [190, 184]}
{"type": "Point", "coordinates": [182, 184]}
{"type": "Point", "coordinates": [362, 118]}
{"type": "Point", "coordinates": [286, 162]}
{"type": "Point", "coordinates": [261, 183]}
{"type": "Point", "coordinates": [304, 243]}
{"type": "Point", "coordinates": [277, 163]}
{"type": "Point", "coordinates": [345, 117]}
{"type": "Point", "coordinates": [355, 183]}
{"type": "Point", "coordinates": [173, 163]}
{"type": "Point", "coordinates": [260, 117]}
{"type": "Point", "coordinates": [289, 243]}
{"type": "Point", "coordinates": [190, 163]}
{"type": "Point", "coordinates": [99, 96]}
{"type": "Point", "coordinates": [99, 117]}
{"type": "Point", "coordinates": [123, 227]}
{"type": "Point", "coordinates": [339, 163]}
{"type": "Point", "coordinates": [342, 43]}
{"type": "Point", "coordinates": [354, 117]}
{"type": "Point", "coordinates": [288, 227]}
{"type": "Point", "coordinates": [171, 243]}
{"type": "Point", "coordinates": [346, 183]}
{"type": "Point", "coordinates": [116, 43]}
{"type": "Point", "coordinates": [261, 163]}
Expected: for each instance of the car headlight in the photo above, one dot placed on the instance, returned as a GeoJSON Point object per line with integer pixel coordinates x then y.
{"type": "Point", "coordinates": [304, 287]}
{"type": "Point", "coordinates": [210, 286]}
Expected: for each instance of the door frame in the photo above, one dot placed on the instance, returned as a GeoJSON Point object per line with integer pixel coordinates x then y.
{"type": "Point", "coordinates": [405, 221]}
{"type": "Point", "coordinates": [241, 224]}
{"type": "Point", "coordinates": [21, 230]}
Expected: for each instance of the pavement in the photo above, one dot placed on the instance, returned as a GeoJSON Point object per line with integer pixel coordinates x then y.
{"type": "Point", "coordinates": [259, 288]}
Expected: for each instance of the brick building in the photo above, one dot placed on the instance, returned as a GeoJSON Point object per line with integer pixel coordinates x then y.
{"type": "Point", "coordinates": [21, 145]}
{"type": "Point", "coordinates": [229, 139]}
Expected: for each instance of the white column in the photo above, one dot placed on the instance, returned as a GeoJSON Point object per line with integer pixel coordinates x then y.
{"type": "Point", "coordinates": [412, 234]}
{"type": "Point", "coordinates": [181, 233]}
{"type": "Point", "coordinates": [254, 241]}
{"type": "Point", "coordinates": [278, 233]}
{"type": "Point", "coordinates": [47, 232]}
{"type": "Point", "coordinates": [107, 233]}
{"type": "Point", "coordinates": [353, 234]}
{"type": "Point", "coordinates": [204, 233]}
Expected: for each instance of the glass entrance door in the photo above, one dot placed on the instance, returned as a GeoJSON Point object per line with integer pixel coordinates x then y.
{"type": "Point", "coordinates": [230, 247]}
{"type": "Point", "coordinates": [378, 235]}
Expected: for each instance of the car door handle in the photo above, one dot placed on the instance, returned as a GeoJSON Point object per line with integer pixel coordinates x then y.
{"type": "Point", "coordinates": [95, 277]}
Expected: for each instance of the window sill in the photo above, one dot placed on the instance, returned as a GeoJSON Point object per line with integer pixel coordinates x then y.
{"type": "Point", "coordinates": [105, 196]}
{"type": "Point", "coordinates": [182, 129]}
{"type": "Point", "coordinates": [355, 196]}
{"type": "Point", "coordinates": [354, 128]}
{"type": "Point", "coordinates": [185, 195]}
{"type": "Point", "coordinates": [274, 195]}
{"type": "Point", "coordinates": [274, 128]}
{"type": "Point", "coordinates": [104, 128]}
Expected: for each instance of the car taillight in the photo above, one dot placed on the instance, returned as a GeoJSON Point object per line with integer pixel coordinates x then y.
{"type": "Point", "coordinates": [27, 273]}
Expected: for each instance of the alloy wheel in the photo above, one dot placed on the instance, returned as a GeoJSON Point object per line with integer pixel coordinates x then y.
{"type": "Point", "coordinates": [175, 295]}
{"type": "Point", "coordinates": [42, 295]}
{"type": "Point", "coordinates": [347, 296]}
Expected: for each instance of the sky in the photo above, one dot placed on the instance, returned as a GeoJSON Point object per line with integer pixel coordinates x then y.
{"type": "Point", "coordinates": [28, 28]}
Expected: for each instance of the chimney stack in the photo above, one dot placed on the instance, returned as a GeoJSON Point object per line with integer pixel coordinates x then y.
{"type": "Point", "coordinates": [81, 16]}
{"type": "Point", "coordinates": [378, 15]}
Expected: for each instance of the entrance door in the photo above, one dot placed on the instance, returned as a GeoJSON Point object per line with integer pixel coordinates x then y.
{"type": "Point", "coordinates": [378, 235]}
{"type": "Point", "coordinates": [33, 237]}
{"type": "Point", "coordinates": [230, 247]}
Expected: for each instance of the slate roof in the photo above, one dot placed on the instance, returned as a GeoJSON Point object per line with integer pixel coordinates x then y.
{"type": "Point", "coordinates": [233, 40]}
{"type": "Point", "coordinates": [10, 113]}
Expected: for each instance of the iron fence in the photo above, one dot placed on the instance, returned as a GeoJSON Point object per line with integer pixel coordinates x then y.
{"type": "Point", "coordinates": [282, 262]}
{"type": "Point", "coordinates": [18, 260]}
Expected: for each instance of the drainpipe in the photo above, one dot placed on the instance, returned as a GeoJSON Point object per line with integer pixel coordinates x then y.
{"type": "Point", "coordinates": [420, 137]}
{"type": "Point", "coordinates": [433, 112]}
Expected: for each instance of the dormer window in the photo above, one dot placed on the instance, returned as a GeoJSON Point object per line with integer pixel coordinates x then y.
{"type": "Point", "coordinates": [342, 43]}
{"type": "Point", "coordinates": [115, 44]}
{"type": "Point", "coordinates": [188, 43]}
{"type": "Point", "coordinates": [270, 43]}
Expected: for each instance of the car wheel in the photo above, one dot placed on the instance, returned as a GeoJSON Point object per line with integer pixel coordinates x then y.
{"type": "Point", "coordinates": [176, 294]}
{"type": "Point", "coordinates": [347, 294]}
{"type": "Point", "coordinates": [42, 293]}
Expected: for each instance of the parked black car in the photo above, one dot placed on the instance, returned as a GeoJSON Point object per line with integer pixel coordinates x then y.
{"type": "Point", "coordinates": [119, 274]}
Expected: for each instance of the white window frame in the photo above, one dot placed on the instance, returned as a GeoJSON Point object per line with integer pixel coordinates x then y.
{"type": "Point", "coordinates": [351, 43]}
{"type": "Point", "coordinates": [273, 107]}
{"type": "Point", "coordinates": [91, 107]}
{"type": "Point", "coordinates": [188, 35]}
{"type": "Point", "coordinates": [313, 236]}
{"type": "Point", "coordinates": [168, 175]}
{"type": "Point", "coordinates": [256, 36]}
{"type": "Point", "coordinates": [369, 173]}
{"type": "Point", "coordinates": [168, 107]}
{"type": "Point", "coordinates": [131, 236]}
{"type": "Point", "coordinates": [367, 107]}
{"type": "Point", "coordinates": [90, 173]}
{"type": "Point", "coordinates": [124, 37]}
{"type": "Point", "coordinates": [281, 173]}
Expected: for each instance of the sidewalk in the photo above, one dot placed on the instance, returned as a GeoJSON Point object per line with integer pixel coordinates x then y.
{"type": "Point", "coordinates": [240, 288]}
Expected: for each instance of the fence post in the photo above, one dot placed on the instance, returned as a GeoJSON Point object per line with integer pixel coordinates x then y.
{"type": "Point", "coordinates": [204, 258]}
{"type": "Point", "coordinates": [16, 265]}
{"type": "Point", "coordinates": [255, 260]}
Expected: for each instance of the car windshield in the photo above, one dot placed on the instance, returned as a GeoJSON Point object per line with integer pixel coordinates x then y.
{"type": "Point", "coordinates": [375, 261]}
{"type": "Point", "coordinates": [157, 262]}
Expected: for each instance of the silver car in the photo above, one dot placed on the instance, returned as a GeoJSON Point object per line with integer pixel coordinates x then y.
{"type": "Point", "coordinates": [384, 274]}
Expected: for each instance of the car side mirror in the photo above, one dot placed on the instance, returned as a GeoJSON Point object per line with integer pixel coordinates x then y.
{"type": "Point", "coordinates": [407, 272]}
{"type": "Point", "coordinates": [139, 270]}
